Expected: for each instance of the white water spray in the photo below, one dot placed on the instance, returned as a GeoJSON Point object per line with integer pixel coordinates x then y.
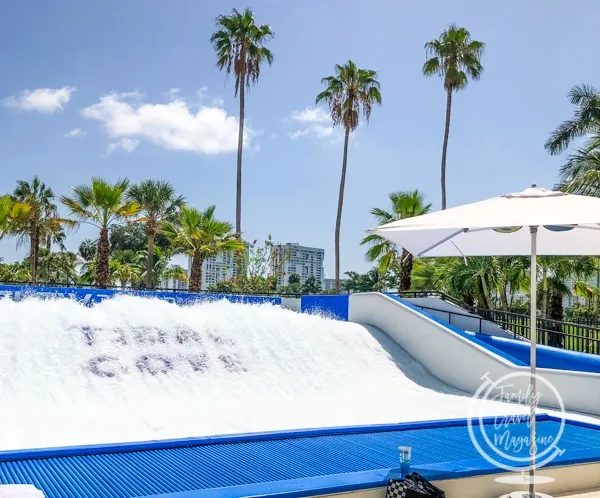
{"type": "Point", "coordinates": [132, 368]}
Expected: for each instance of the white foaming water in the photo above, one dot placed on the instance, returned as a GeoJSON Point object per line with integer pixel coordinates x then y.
{"type": "Point", "coordinates": [132, 369]}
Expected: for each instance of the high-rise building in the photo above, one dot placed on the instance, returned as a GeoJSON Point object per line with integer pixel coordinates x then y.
{"type": "Point", "coordinates": [216, 268]}
{"type": "Point", "coordinates": [294, 259]}
{"type": "Point", "coordinates": [329, 284]}
{"type": "Point", "coordinates": [174, 284]}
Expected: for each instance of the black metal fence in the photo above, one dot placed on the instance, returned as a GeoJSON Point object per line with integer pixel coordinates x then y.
{"type": "Point", "coordinates": [581, 334]}
{"type": "Point", "coordinates": [566, 335]}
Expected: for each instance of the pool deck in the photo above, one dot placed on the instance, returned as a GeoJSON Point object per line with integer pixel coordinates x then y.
{"type": "Point", "coordinates": [592, 493]}
{"type": "Point", "coordinates": [284, 464]}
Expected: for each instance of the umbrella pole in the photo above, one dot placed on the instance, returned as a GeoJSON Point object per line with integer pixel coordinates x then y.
{"type": "Point", "coordinates": [533, 328]}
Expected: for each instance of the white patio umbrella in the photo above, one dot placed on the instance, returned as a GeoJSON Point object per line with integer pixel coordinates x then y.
{"type": "Point", "coordinates": [533, 222]}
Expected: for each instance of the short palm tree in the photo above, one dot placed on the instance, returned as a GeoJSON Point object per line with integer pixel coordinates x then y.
{"type": "Point", "coordinates": [87, 250]}
{"type": "Point", "coordinates": [158, 201]}
{"type": "Point", "coordinates": [58, 267]}
{"type": "Point", "coordinates": [240, 47]}
{"type": "Point", "coordinates": [13, 216]}
{"type": "Point", "coordinates": [161, 268]}
{"type": "Point", "coordinates": [101, 204]}
{"type": "Point", "coordinates": [404, 205]}
{"type": "Point", "coordinates": [44, 224]}
{"type": "Point", "coordinates": [200, 235]}
{"type": "Point", "coordinates": [455, 57]}
{"type": "Point", "coordinates": [554, 271]}
{"type": "Point", "coordinates": [350, 92]}
{"type": "Point", "coordinates": [581, 173]}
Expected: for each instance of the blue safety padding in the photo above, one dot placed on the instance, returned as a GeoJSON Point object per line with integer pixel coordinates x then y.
{"type": "Point", "coordinates": [332, 306]}
{"type": "Point", "coordinates": [290, 463]}
{"type": "Point", "coordinates": [462, 333]}
{"type": "Point", "coordinates": [90, 296]}
{"type": "Point", "coordinates": [546, 356]}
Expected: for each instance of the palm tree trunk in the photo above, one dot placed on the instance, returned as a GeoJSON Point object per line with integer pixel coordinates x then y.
{"type": "Point", "coordinates": [150, 257]}
{"type": "Point", "coordinates": [338, 220]}
{"type": "Point", "coordinates": [445, 147]}
{"type": "Point", "coordinates": [544, 294]}
{"type": "Point", "coordinates": [33, 245]}
{"type": "Point", "coordinates": [486, 292]}
{"type": "Point", "coordinates": [238, 191]}
{"type": "Point", "coordinates": [406, 266]}
{"type": "Point", "coordinates": [196, 273]}
{"type": "Point", "coordinates": [102, 270]}
{"type": "Point", "coordinates": [504, 297]}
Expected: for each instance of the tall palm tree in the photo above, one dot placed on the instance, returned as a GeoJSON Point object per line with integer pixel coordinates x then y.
{"type": "Point", "coordinates": [350, 92]}
{"type": "Point", "coordinates": [581, 173]}
{"type": "Point", "coordinates": [200, 235]}
{"type": "Point", "coordinates": [406, 204]}
{"type": "Point", "coordinates": [158, 201]}
{"type": "Point", "coordinates": [101, 204]}
{"type": "Point", "coordinates": [455, 57]}
{"type": "Point", "coordinates": [44, 224]}
{"type": "Point", "coordinates": [240, 47]}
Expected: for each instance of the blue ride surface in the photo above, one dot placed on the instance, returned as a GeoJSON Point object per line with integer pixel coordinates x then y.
{"type": "Point", "coordinates": [289, 463]}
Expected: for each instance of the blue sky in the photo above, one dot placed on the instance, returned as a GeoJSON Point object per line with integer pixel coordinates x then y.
{"type": "Point", "coordinates": [110, 65]}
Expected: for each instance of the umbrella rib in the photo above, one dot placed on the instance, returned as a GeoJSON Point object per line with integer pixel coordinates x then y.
{"type": "Point", "coordinates": [445, 239]}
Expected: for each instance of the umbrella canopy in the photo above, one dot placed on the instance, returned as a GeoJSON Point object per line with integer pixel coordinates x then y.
{"type": "Point", "coordinates": [534, 222]}
{"type": "Point", "coordinates": [567, 225]}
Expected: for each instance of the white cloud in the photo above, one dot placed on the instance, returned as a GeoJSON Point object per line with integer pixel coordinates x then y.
{"type": "Point", "coordinates": [201, 93]}
{"type": "Point", "coordinates": [172, 94]}
{"type": "Point", "coordinates": [299, 133]}
{"type": "Point", "coordinates": [127, 144]}
{"type": "Point", "coordinates": [317, 130]}
{"type": "Point", "coordinates": [45, 100]}
{"type": "Point", "coordinates": [174, 125]}
{"type": "Point", "coordinates": [318, 122]}
{"type": "Point", "coordinates": [75, 132]}
{"type": "Point", "coordinates": [311, 115]}
{"type": "Point", "coordinates": [323, 131]}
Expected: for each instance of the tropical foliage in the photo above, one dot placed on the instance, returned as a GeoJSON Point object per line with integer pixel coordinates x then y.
{"type": "Point", "coordinates": [404, 205]}
{"type": "Point", "coordinates": [240, 47]}
{"type": "Point", "coordinates": [372, 281]}
{"type": "Point", "coordinates": [101, 204]}
{"type": "Point", "coordinates": [349, 93]}
{"type": "Point", "coordinates": [455, 58]}
{"type": "Point", "coordinates": [43, 225]}
{"type": "Point", "coordinates": [200, 234]}
{"type": "Point", "coordinates": [158, 201]}
{"type": "Point", "coordinates": [581, 172]}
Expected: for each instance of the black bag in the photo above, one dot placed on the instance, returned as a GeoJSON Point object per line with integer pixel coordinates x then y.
{"type": "Point", "coordinates": [414, 486]}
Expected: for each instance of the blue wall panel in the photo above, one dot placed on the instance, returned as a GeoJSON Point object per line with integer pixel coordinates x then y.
{"type": "Point", "coordinates": [89, 296]}
{"type": "Point", "coordinates": [333, 306]}
{"type": "Point", "coordinates": [546, 356]}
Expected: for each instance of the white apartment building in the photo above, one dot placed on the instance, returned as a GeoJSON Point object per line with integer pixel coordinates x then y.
{"type": "Point", "coordinates": [173, 284]}
{"type": "Point", "coordinates": [216, 268]}
{"type": "Point", "coordinates": [329, 284]}
{"type": "Point", "coordinates": [292, 258]}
